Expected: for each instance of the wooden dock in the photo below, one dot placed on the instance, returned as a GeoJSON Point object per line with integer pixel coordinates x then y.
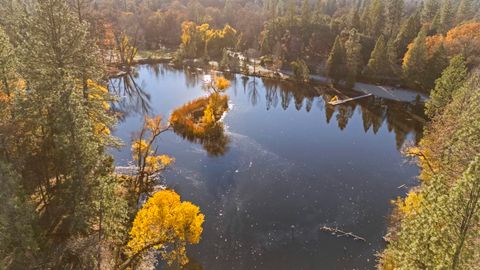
{"type": "Point", "coordinates": [337, 102]}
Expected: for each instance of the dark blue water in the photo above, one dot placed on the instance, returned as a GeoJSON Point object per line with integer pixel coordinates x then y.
{"type": "Point", "coordinates": [292, 165]}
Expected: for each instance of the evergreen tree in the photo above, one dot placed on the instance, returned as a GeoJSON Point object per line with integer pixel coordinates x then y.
{"type": "Point", "coordinates": [442, 232]}
{"type": "Point", "coordinates": [394, 13]}
{"type": "Point", "coordinates": [306, 11]}
{"type": "Point", "coordinates": [280, 8]}
{"type": "Point", "coordinates": [453, 77]}
{"type": "Point", "coordinates": [439, 227]}
{"type": "Point", "coordinates": [393, 57]}
{"type": "Point", "coordinates": [18, 241]}
{"type": "Point", "coordinates": [435, 65]}
{"type": "Point", "coordinates": [355, 19]}
{"type": "Point", "coordinates": [415, 62]}
{"type": "Point", "coordinates": [300, 71]}
{"type": "Point", "coordinates": [353, 49]}
{"type": "Point", "coordinates": [429, 9]}
{"type": "Point", "coordinates": [292, 9]}
{"type": "Point", "coordinates": [446, 17]}
{"type": "Point", "coordinates": [465, 11]}
{"type": "Point", "coordinates": [336, 61]}
{"type": "Point", "coordinates": [378, 66]}
{"type": "Point", "coordinates": [65, 116]}
{"type": "Point", "coordinates": [376, 18]}
{"type": "Point", "coordinates": [408, 32]}
{"type": "Point", "coordinates": [435, 25]}
{"type": "Point", "coordinates": [7, 63]}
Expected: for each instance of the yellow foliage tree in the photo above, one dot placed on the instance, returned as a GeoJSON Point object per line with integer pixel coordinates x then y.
{"type": "Point", "coordinates": [99, 98]}
{"type": "Point", "coordinates": [166, 224]}
{"type": "Point", "coordinates": [208, 116]}
{"type": "Point", "coordinates": [411, 204]}
{"type": "Point", "coordinates": [149, 164]}
{"type": "Point", "coordinates": [221, 84]}
{"type": "Point", "coordinates": [126, 50]}
{"type": "Point", "coordinates": [201, 38]}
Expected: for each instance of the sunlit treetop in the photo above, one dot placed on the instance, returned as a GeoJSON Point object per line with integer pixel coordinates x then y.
{"type": "Point", "coordinates": [166, 224]}
{"type": "Point", "coordinates": [411, 204]}
{"type": "Point", "coordinates": [154, 124]}
{"type": "Point", "coordinates": [221, 84]}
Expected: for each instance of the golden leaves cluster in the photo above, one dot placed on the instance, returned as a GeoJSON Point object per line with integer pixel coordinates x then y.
{"type": "Point", "coordinates": [142, 149]}
{"type": "Point", "coordinates": [410, 205]}
{"type": "Point", "coordinates": [167, 224]}
{"type": "Point", "coordinates": [221, 83]}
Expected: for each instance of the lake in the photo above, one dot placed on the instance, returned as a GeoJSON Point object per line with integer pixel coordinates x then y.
{"type": "Point", "coordinates": [289, 165]}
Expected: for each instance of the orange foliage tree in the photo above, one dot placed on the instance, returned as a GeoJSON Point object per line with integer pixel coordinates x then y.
{"type": "Point", "coordinates": [463, 39]}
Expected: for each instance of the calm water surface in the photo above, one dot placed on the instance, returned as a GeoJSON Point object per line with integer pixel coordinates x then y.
{"type": "Point", "coordinates": [291, 165]}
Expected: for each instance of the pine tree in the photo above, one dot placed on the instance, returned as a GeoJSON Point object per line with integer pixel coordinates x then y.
{"type": "Point", "coordinates": [429, 9]}
{"type": "Point", "coordinates": [393, 58]}
{"type": "Point", "coordinates": [394, 13]}
{"type": "Point", "coordinates": [8, 62]}
{"type": "Point", "coordinates": [353, 49]}
{"type": "Point", "coordinates": [18, 240]}
{"type": "Point", "coordinates": [465, 11]}
{"type": "Point", "coordinates": [435, 25]}
{"type": "Point", "coordinates": [355, 19]}
{"type": "Point", "coordinates": [446, 17]}
{"type": "Point", "coordinates": [69, 133]}
{"type": "Point", "coordinates": [443, 230]}
{"type": "Point", "coordinates": [306, 11]}
{"type": "Point", "coordinates": [378, 66]}
{"type": "Point", "coordinates": [292, 9]}
{"type": "Point", "coordinates": [336, 61]}
{"type": "Point", "coordinates": [436, 64]}
{"type": "Point", "coordinates": [408, 32]}
{"type": "Point", "coordinates": [300, 71]}
{"type": "Point", "coordinates": [440, 230]}
{"type": "Point", "coordinates": [376, 18]}
{"type": "Point", "coordinates": [280, 8]}
{"type": "Point", "coordinates": [453, 77]}
{"type": "Point", "coordinates": [415, 62]}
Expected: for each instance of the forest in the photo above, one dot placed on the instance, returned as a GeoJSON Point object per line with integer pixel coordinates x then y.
{"type": "Point", "coordinates": [67, 205]}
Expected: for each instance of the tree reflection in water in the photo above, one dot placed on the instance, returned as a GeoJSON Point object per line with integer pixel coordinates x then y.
{"type": "Point", "coordinates": [375, 112]}
{"type": "Point", "coordinates": [132, 96]}
{"type": "Point", "coordinates": [253, 94]}
{"type": "Point", "coordinates": [199, 121]}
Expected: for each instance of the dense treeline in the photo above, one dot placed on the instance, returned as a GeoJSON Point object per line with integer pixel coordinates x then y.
{"type": "Point", "coordinates": [438, 224]}
{"type": "Point", "coordinates": [390, 41]}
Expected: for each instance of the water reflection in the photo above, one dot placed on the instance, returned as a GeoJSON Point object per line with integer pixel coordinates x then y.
{"type": "Point", "coordinates": [132, 96]}
{"type": "Point", "coordinates": [199, 120]}
{"type": "Point", "coordinates": [374, 111]}
{"type": "Point", "coordinates": [292, 159]}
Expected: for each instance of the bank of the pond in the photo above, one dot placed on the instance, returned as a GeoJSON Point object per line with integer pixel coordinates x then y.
{"type": "Point", "coordinates": [384, 91]}
{"type": "Point", "coordinates": [255, 69]}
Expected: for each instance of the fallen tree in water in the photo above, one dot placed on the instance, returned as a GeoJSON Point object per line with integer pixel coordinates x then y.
{"type": "Point", "coordinates": [339, 233]}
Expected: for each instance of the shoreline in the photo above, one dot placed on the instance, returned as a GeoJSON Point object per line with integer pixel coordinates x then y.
{"type": "Point", "coordinates": [379, 90]}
